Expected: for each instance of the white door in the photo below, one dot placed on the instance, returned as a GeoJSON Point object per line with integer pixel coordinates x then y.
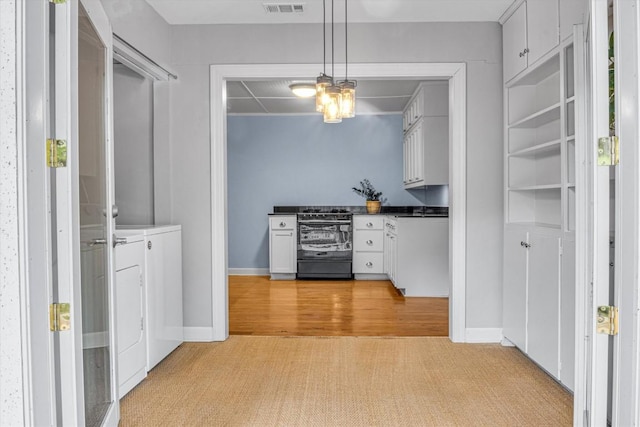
{"type": "Point", "coordinates": [608, 390]}
{"type": "Point", "coordinates": [82, 224]}
{"type": "Point", "coordinates": [592, 218]}
{"type": "Point", "coordinates": [625, 410]}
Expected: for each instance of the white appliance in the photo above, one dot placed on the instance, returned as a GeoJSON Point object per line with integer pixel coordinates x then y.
{"type": "Point", "coordinates": [130, 312]}
{"type": "Point", "coordinates": [163, 285]}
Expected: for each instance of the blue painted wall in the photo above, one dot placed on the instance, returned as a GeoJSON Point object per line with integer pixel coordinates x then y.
{"type": "Point", "coordinates": [299, 160]}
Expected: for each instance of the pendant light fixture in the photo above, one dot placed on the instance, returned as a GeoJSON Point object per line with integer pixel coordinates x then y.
{"type": "Point", "coordinates": [347, 87]}
{"type": "Point", "coordinates": [332, 93]}
{"type": "Point", "coordinates": [323, 81]}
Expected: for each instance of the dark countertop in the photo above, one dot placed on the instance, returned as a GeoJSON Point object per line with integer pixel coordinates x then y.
{"type": "Point", "coordinates": [399, 211]}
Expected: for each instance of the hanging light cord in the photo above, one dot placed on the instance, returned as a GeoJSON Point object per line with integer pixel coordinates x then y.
{"type": "Point", "coordinates": [332, 71]}
{"type": "Point", "coordinates": [346, 57]}
{"type": "Point", "coordinates": [324, 37]}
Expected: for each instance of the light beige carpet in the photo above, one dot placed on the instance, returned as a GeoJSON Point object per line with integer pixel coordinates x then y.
{"type": "Point", "coordinates": [346, 381]}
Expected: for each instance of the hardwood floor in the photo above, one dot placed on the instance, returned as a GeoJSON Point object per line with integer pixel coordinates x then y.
{"type": "Point", "coordinates": [259, 306]}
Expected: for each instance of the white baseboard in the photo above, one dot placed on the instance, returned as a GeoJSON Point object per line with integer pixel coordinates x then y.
{"type": "Point", "coordinates": [248, 271]}
{"type": "Point", "coordinates": [198, 334]}
{"type": "Point", "coordinates": [483, 335]}
{"type": "Point", "coordinates": [506, 343]}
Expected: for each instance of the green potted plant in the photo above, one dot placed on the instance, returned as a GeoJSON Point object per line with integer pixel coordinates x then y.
{"type": "Point", "coordinates": [368, 191]}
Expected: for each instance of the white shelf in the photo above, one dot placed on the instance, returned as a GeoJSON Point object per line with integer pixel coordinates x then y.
{"type": "Point", "coordinates": [536, 224]}
{"type": "Point", "coordinates": [570, 99]}
{"type": "Point", "coordinates": [536, 187]}
{"type": "Point", "coordinates": [539, 118]}
{"type": "Point", "coordinates": [545, 147]}
{"type": "Point", "coordinates": [571, 185]}
{"type": "Point", "coordinates": [571, 138]}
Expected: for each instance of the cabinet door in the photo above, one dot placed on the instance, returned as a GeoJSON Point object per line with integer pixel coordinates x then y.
{"type": "Point", "coordinates": [570, 14]}
{"type": "Point", "coordinates": [543, 301]}
{"type": "Point", "coordinates": [282, 250]}
{"type": "Point", "coordinates": [418, 153]}
{"type": "Point", "coordinates": [542, 28]}
{"type": "Point", "coordinates": [405, 158]}
{"type": "Point", "coordinates": [514, 42]}
{"type": "Point", "coordinates": [515, 288]}
{"type": "Point", "coordinates": [435, 134]}
{"type": "Point", "coordinates": [567, 313]}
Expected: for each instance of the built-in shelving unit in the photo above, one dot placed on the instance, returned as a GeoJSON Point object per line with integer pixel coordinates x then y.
{"type": "Point", "coordinates": [540, 144]}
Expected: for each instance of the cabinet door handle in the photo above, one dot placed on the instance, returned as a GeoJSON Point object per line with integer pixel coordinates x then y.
{"type": "Point", "coordinates": [525, 245]}
{"type": "Point", "coordinates": [283, 224]}
{"type": "Point", "coordinates": [369, 224]}
{"type": "Point", "coordinates": [369, 264]}
{"type": "Point", "coordinates": [369, 242]}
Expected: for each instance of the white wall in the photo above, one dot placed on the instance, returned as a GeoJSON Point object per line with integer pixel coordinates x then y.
{"type": "Point", "coordinates": [194, 48]}
{"type": "Point", "coordinates": [140, 25]}
{"type": "Point", "coordinates": [133, 146]}
{"type": "Point", "coordinates": [14, 392]}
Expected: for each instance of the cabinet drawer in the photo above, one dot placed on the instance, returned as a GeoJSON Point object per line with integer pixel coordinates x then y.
{"type": "Point", "coordinates": [368, 222]}
{"type": "Point", "coordinates": [368, 241]}
{"type": "Point", "coordinates": [282, 222]}
{"type": "Point", "coordinates": [368, 262]}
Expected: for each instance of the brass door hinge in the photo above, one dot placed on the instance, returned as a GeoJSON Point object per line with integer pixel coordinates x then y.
{"type": "Point", "coordinates": [56, 153]}
{"type": "Point", "coordinates": [608, 151]}
{"type": "Point", "coordinates": [607, 320]}
{"type": "Point", "coordinates": [60, 316]}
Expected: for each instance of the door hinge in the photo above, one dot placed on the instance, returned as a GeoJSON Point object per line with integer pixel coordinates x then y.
{"type": "Point", "coordinates": [608, 151]}
{"type": "Point", "coordinates": [60, 316]}
{"type": "Point", "coordinates": [56, 153]}
{"type": "Point", "coordinates": [607, 320]}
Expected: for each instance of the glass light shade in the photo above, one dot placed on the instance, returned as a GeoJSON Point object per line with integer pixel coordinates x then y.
{"type": "Point", "coordinates": [348, 99]}
{"type": "Point", "coordinates": [322, 83]}
{"type": "Point", "coordinates": [332, 107]}
{"type": "Point", "coordinates": [303, 90]}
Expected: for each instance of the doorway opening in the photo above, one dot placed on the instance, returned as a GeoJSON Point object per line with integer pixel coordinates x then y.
{"type": "Point", "coordinates": [455, 73]}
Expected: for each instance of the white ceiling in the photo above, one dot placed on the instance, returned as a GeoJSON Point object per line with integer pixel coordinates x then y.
{"type": "Point", "coordinates": [274, 97]}
{"type": "Point", "coordinates": [360, 11]}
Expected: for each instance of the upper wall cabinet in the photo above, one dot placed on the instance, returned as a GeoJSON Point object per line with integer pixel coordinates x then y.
{"type": "Point", "coordinates": [426, 136]}
{"type": "Point", "coordinates": [528, 34]}
{"type": "Point", "coordinates": [570, 14]}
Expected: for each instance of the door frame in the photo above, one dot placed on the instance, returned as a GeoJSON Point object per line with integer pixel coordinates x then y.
{"type": "Point", "coordinates": [455, 73]}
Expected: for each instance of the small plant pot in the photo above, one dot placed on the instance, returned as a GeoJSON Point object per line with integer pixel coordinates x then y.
{"type": "Point", "coordinates": [373, 206]}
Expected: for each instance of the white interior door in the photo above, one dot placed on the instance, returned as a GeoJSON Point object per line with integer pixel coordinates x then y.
{"type": "Point", "coordinates": [592, 224]}
{"type": "Point", "coordinates": [625, 410]}
{"type": "Point", "coordinates": [82, 224]}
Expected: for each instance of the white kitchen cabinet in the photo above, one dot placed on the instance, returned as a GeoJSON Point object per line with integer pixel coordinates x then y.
{"type": "Point", "coordinates": [528, 34]}
{"type": "Point", "coordinates": [130, 313]}
{"type": "Point", "coordinates": [282, 247]}
{"type": "Point", "coordinates": [390, 249]}
{"type": "Point", "coordinates": [368, 247]}
{"type": "Point", "coordinates": [571, 12]}
{"type": "Point", "coordinates": [417, 254]}
{"type": "Point", "coordinates": [543, 305]}
{"type": "Point", "coordinates": [426, 138]}
{"type": "Point", "coordinates": [567, 313]}
{"type": "Point", "coordinates": [514, 300]}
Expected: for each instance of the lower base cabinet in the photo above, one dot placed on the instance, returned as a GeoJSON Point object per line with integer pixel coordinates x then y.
{"type": "Point", "coordinates": [282, 247]}
{"type": "Point", "coordinates": [417, 255]}
{"type": "Point", "coordinates": [539, 298]}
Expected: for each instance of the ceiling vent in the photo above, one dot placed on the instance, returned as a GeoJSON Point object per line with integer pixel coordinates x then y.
{"type": "Point", "coordinates": [283, 7]}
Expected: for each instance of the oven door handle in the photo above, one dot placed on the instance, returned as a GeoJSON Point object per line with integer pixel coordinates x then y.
{"type": "Point", "coordinates": [317, 222]}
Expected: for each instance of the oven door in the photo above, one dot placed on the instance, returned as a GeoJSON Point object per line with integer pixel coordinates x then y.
{"type": "Point", "coordinates": [324, 240]}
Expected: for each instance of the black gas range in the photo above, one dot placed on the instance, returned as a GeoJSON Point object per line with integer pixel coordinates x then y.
{"type": "Point", "coordinates": [325, 244]}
